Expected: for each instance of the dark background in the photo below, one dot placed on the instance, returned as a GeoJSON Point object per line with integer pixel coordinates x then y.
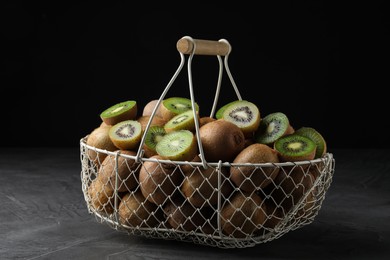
{"type": "Point", "coordinates": [323, 65]}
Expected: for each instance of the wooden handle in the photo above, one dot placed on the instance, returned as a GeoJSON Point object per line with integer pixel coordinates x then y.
{"type": "Point", "coordinates": [203, 47]}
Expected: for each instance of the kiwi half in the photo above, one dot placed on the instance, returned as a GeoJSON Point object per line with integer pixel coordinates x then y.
{"type": "Point", "coordinates": [316, 137]}
{"type": "Point", "coordinates": [173, 106]}
{"type": "Point", "coordinates": [219, 113]}
{"type": "Point", "coordinates": [126, 135]}
{"type": "Point", "coordinates": [295, 147]}
{"type": "Point", "coordinates": [181, 121]}
{"type": "Point", "coordinates": [244, 114]}
{"type": "Point", "coordinates": [272, 127]}
{"type": "Point", "coordinates": [178, 145]}
{"type": "Point", "coordinates": [153, 136]}
{"type": "Point", "coordinates": [126, 110]}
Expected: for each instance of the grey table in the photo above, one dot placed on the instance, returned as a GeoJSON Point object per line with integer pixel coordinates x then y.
{"type": "Point", "coordinates": [44, 216]}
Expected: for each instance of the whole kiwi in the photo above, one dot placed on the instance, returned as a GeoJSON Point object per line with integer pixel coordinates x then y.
{"type": "Point", "coordinates": [134, 210]}
{"type": "Point", "coordinates": [143, 120]}
{"type": "Point", "coordinates": [99, 138]}
{"type": "Point", "coordinates": [221, 140]}
{"type": "Point", "coordinates": [201, 185]}
{"type": "Point", "coordinates": [251, 178]}
{"type": "Point", "coordinates": [127, 170]}
{"type": "Point", "coordinates": [243, 214]}
{"type": "Point", "coordinates": [182, 215]}
{"type": "Point", "coordinates": [149, 107]}
{"type": "Point", "coordinates": [101, 196]}
{"type": "Point", "coordinates": [291, 186]}
{"type": "Point", "coordinates": [157, 180]}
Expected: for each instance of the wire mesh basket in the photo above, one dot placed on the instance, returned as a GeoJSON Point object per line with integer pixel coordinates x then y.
{"type": "Point", "coordinates": [197, 201]}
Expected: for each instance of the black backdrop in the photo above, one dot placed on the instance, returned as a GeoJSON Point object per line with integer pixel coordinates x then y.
{"type": "Point", "coordinates": [65, 63]}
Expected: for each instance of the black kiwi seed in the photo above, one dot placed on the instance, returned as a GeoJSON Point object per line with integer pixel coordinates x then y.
{"type": "Point", "coordinates": [121, 132]}
{"type": "Point", "coordinates": [235, 114]}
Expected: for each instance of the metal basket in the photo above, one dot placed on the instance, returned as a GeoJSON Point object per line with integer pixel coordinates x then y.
{"type": "Point", "coordinates": [212, 210]}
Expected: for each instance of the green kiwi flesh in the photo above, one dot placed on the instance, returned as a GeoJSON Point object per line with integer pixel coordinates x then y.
{"type": "Point", "coordinates": [126, 110]}
{"type": "Point", "coordinates": [177, 146]}
{"type": "Point", "coordinates": [126, 135]}
{"type": "Point", "coordinates": [272, 127]}
{"type": "Point", "coordinates": [176, 105]}
{"type": "Point", "coordinates": [219, 113]}
{"type": "Point", "coordinates": [153, 136]}
{"type": "Point", "coordinates": [295, 147]}
{"type": "Point", "coordinates": [316, 137]}
{"type": "Point", "coordinates": [181, 121]}
{"type": "Point", "coordinates": [244, 114]}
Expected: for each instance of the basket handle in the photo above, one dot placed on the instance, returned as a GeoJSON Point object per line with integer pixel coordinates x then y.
{"type": "Point", "coordinates": [203, 47]}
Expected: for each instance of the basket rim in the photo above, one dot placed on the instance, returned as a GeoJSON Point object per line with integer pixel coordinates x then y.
{"type": "Point", "coordinates": [327, 157]}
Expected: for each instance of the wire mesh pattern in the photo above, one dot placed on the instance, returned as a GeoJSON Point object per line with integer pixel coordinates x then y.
{"type": "Point", "coordinates": [188, 202]}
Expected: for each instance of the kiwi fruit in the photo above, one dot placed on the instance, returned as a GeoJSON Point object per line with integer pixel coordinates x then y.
{"type": "Point", "coordinates": [200, 185]}
{"type": "Point", "coordinates": [156, 120]}
{"type": "Point", "coordinates": [182, 215]}
{"type": "Point", "coordinates": [243, 214]}
{"type": "Point", "coordinates": [316, 137]}
{"type": "Point", "coordinates": [219, 113]}
{"type": "Point", "coordinates": [221, 140]}
{"type": "Point", "coordinates": [126, 110]}
{"type": "Point", "coordinates": [101, 196]}
{"type": "Point", "coordinates": [295, 148]}
{"type": "Point", "coordinates": [251, 178]}
{"type": "Point", "coordinates": [99, 138]}
{"type": "Point", "coordinates": [244, 114]}
{"type": "Point", "coordinates": [272, 127]}
{"type": "Point", "coordinates": [182, 121]}
{"type": "Point", "coordinates": [135, 211]}
{"type": "Point", "coordinates": [158, 181]}
{"type": "Point", "coordinates": [205, 119]}
{"type": "Point", "coordinates": [126, 168]}
{"type": "Point", "coordinates": [173, 106]}
{"type": "Point", "coordinates": [290, 187]}
{"type": "Point", "coordinates": [178, 145]}
{"type": "Point", "coordinates": [126, 135]}
{"type": "Point", "coordinates": [152, 137]}
{"type": "Point", "coordinates": [149, 107]}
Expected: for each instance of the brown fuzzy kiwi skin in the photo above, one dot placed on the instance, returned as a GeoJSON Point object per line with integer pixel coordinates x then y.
{"type": "Point", "coordinates": [251, 178]}
{"type": "Point", "coordinates": [200, 185]}
{"type": "Point", "coordinates": [245, 211]}
{"type": "Point", "coordinates": [221, 140]}
{"type": "Point", "coordinates": [205, 119]}
{"type": "Point", "coordinates": [99, 138]}
{"type": "Point", "coordinates": [158, 180]}
{"type": "Point", "coordinates": [101, 196]}
{"type": "Point", "coordinates": [134, 210]}
{"type": "Point", "coordinates": [128, 171]}
{"type": "Point", "coordinates": [291, 186]}
{"type": "Point", "coordinates": [182, 215]}
{"type": "Point", "coordinates": [149, 107]}
{"type": "Point", "coordinates": [143, 120]}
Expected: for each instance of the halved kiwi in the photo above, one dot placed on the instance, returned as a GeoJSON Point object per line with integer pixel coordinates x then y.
{"type": "Point", "coordinates": [126, 135]}
{"type": "Point", "coordinates": [153, 136]}
{"type": "Point", "coordinates": [173, 106]}
{"type": "Point", "coordinates": [295, 147]}
{"type": "Point", "coordinates": [244, 114]}
{"type": "Point", "coordinates": [219, 113]}
{"type": "Point", "coordinates": [126, 110]}
{"type": "Point", "coordinates": [316, 137]}
{"type": "Point", "coordinates": [178, 145]}
{"type": "Point", "coordinates": [272, 127]}
{"type": "Point", "coordinates": [181, 121]}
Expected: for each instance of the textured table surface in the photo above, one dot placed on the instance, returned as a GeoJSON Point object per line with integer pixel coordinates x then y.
{"type": "Point", "coordinates": [43, 215]}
